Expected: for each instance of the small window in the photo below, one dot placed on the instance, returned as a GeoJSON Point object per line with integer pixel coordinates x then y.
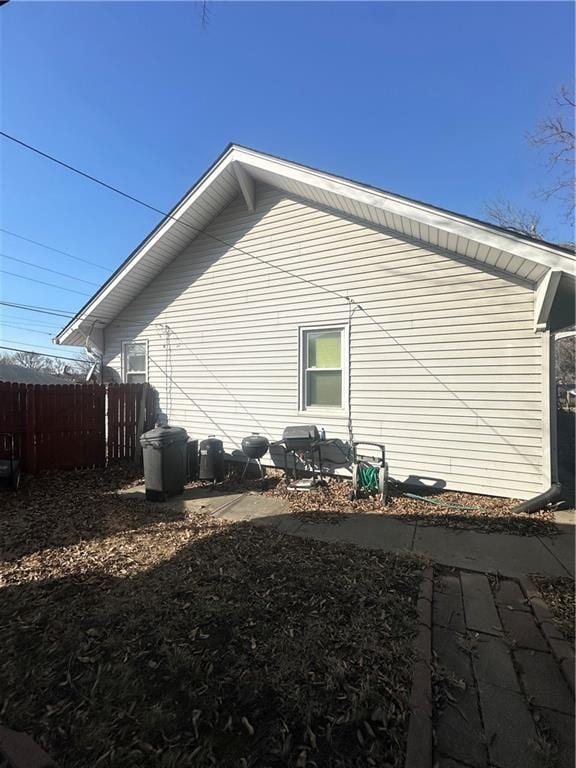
{"type": "Point", "coordinates": [135, 362]}
{"type": "Point", "coordinates": [322, 380]}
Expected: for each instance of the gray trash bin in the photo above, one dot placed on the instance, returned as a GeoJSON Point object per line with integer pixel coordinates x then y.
{"type": "Point", "coordinates": [165, 461]}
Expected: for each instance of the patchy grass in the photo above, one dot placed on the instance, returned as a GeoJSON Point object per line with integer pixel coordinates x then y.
{"type": "Point", "coordinates": [133, 635]}
{"type": "Point", "coordinates": [559, 595]}
{"type": "Point", "coordinates": [488, 514]}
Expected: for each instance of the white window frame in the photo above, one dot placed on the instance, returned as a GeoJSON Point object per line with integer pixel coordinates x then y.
{"type": "Point", "coordinates": [125, 343]}
{"type": "Point", "coordinates": [303, 330]}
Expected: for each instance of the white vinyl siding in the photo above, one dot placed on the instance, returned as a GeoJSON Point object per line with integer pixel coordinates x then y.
{"type": "Point", "coordinates": [445, 367]}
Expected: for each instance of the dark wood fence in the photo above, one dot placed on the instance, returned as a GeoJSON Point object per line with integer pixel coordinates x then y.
{"type": "Point", "coordinates": [131, 411]}
{"type": "Point", "coordinates": [63, 426]}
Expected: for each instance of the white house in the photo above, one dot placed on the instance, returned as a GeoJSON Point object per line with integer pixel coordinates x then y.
{"type": "Point", "coordinates": [277, 294]}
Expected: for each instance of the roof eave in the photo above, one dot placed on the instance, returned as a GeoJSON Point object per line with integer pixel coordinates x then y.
{"type": "Point", "coordinates": [545, 254]}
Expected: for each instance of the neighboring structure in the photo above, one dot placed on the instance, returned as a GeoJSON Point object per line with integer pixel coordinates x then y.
{"type": "Point", "coordinates": [276, 294]}
{"type": "Point", "coordinates": [19, 374]}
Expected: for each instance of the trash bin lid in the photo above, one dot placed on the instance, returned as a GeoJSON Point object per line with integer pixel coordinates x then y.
{"type": "Point", "coordinates": [165, 435]}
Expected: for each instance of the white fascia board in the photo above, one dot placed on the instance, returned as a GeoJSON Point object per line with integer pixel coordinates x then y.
{"type": "Point", "coordinates": [544, 298]}
{"type": "Point", "coordinates": [476, 231]}
{"type": "Point", "coordinates": [164, 227]}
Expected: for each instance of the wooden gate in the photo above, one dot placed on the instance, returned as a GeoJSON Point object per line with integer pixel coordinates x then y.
{"type": "Point", "coordinates": [131, 411]}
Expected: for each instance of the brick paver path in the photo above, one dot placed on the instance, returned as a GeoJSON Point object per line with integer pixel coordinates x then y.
{"type": "Point", "coordinates": [509, 704]}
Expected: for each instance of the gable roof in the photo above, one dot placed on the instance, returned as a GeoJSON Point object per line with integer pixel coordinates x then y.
{"type": "Point", "coordinates": [238, 169]}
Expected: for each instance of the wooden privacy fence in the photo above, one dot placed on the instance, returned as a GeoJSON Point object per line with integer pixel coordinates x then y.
{"type": "Point", "coordinates": [131, 411]}
{"type": "Point", "coordinates": [63, 426]}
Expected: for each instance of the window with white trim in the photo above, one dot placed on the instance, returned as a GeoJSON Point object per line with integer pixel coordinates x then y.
{"type": "Point", "coordinates": [134, 361]}
{"type": "Point", "coordinates": [322, 375]}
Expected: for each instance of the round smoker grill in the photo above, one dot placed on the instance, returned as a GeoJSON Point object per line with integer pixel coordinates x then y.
{"type": "Point", "coordinates": [254, 447]}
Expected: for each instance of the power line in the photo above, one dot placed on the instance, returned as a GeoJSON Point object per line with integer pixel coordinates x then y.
{"type": "Point", "coordinates": [48, 311]}
{"type": "Point", "coordinates": [30, 330]}
{"type": "Point", "coordinates": [40, 354]}
{"type": "Point", "coordinates": [56, 250]}
{"type": "Point", "coordinates": [42, 282]}
{"type": "Point", "coordinates": [31, 321]}
{"type": "Point", "coordinates": [169, 215]}
{"type": "Point", "coordinates": [34, 308]}
{"type": "Point", "coordinates": [16, 341]}
{"type": "Point", "coordinates": [47, 269]}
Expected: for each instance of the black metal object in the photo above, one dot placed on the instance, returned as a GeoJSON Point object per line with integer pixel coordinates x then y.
{"type": "Point", "coordinates": [212, 459]}
{"type": "Point", "coordinates": [254, 447]}
{"type": "Point", "coordinates": [300, 437]}
{"type": "Point", "coordinates": [165, 461]}
{"type": "Point", "coordinates": [303, 442]}
{"type": "Point", "coordinates": [9, 467]}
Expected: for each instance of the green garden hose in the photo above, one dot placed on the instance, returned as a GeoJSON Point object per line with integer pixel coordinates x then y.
{"type": "Point", "coordinates": [443, 503]}
{"type": "Point", "coordinates": [368, 476]}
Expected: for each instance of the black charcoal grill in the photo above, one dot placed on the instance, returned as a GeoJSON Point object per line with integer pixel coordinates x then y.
{"type": "Point", "coordinates": [303, 442]}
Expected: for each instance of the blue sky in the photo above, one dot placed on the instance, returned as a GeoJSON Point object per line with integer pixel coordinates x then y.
{"type": "Point", "coordinates": [430, 100]}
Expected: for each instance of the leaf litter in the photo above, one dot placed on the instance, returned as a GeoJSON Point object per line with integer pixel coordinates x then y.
{"type": "Point", "coordinates": [137, 635]}
{"type": "Point", "coordinates": [331, 503]}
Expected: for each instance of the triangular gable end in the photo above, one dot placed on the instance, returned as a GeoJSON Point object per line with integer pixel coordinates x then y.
{"type": "Point", "coordinates": [238, 170]}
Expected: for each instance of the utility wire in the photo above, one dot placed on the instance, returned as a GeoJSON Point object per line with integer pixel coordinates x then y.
{"type": "Point", "coordinates": [170, 216]}
{"type": "Point", "coordinates": [16, 341]}
{"type": "Point", "coordinates": [49, 311]}
{"type": "Point", "coordinates": [30, 330]}
{"type": "Point", "coordinates": [30, 321]}
{"type": "Point", "coordinates": [47, 269]}
{"type": "Point", "coordinates": [56, 250]}
{"type": "Point", "coordinates": [41, 282]}
{"type": "Point", "coordinates": [34, 308]}
{"type": "Point", "coordinates": [41, 354]}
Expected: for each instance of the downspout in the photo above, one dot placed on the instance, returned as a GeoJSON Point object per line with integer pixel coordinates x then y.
{"type": "Point", "coordinates": [554, 493]}
{"type": "Point", "coordinates": [551, 496]}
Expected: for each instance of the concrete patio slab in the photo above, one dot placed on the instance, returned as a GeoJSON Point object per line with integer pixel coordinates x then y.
{"type": "Point", "coordinates": [562, 548]}
{"type": "Point", "coordinates": [494, 552]}
{"type": "Point", "coordinates": [367, 531]}
{"type": "Point", "coordinates": [506, 554]}
{"type": "Point", "coordinates": [191, 499]}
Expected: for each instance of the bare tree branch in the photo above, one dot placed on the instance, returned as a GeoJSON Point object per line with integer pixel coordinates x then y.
{"type": "Point", "coordinates": [33, 360]}
{"type": "Point", "coordinates": [520, 220]}
{"type": "Point", "coordinates": [555, 135]}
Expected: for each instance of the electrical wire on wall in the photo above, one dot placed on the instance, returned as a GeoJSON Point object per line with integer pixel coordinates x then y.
{"type": "Point", "coordinates": [349, 351]}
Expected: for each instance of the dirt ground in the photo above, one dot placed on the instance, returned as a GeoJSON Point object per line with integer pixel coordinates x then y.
{"type": "Point", "coordinates": [559, 595]}
{"type": "Point", "coordinates": [135, 635]}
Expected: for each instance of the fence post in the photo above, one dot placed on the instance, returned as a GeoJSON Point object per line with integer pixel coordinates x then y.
{"type": "Point", "coordinates": [31, 463]}
{"type": "Point", "coordinates": [140, 423]}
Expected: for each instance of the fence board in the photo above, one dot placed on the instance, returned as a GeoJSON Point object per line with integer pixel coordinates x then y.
{"type": "Point", "coordinates": [125, 402]}
{"type": "Point", "coordinates": [62, 426]}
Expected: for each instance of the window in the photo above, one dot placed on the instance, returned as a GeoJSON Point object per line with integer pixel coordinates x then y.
{"type": "Point", "coordinates": [134, 361]}
{"type": "Point", "coordinates": [322, 379]}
